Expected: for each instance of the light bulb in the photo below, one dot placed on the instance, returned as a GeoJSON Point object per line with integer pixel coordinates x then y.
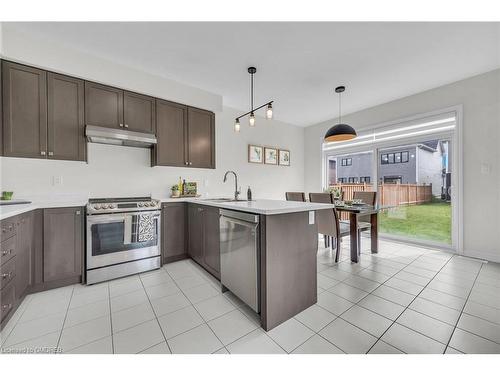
{"type": "Point", "coordinates": [251, 120]}
{"type": "Point", "coordinates": [269, 112]}
{"type": "Point", "coordinates": [237, 126]}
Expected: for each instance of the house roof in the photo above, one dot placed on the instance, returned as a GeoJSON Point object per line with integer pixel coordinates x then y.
{"type": "Point", "coordinates": [431, 144]}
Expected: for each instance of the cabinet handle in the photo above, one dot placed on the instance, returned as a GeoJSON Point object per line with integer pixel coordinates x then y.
{"type": "Point", "coordinates": [126, 125]}
{"type": "Point", "coordinates": [77, 213]}
{"type": "Point", "coordinates": [6, 275]}
{"type": "Point", "coordinates": [51, 153]}
{"type": "Point", "coordinates": [5, 252]}
{"type": "Point", "coordinates": [42, 153]}
{"type": "Point", "coordinates": [121, 125]}
{"type": "Point", "coordinates": [8, 306]}
{"type": "Point", "coordinates": [190, 163]}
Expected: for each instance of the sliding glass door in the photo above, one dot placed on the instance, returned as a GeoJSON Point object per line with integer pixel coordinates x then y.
{"type": "Point", "coordinates": [411, 166]}
{"type": "Point", "coordinates": [414, 184]}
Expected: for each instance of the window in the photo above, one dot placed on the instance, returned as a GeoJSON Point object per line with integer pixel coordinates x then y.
{"type": "Point", "coordinates": [353, 180]}
{"type": "Point", "coordinates": [365, 179]}
{"type": "Point", "coordinates": [341, 180]}
{"type": "Point", "coordinates": [384, 159]}
{"type": "Point", "coordinates": [397, 157]}
{"type": "Point", "coordinates": [346, 162]}
{"type": "Point", "coordinates": [404, 157]}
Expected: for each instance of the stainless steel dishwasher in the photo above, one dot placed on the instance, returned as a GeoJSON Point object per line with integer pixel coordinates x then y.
{"type": "Point", "coordinates": [239, 255]}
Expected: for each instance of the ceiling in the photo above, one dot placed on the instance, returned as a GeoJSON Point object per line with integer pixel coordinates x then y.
{"type": "Point", "coordinates": [298, 64]}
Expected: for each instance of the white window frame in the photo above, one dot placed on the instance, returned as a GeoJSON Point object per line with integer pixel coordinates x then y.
{"type": "Point", "coordinates": [455, 136]}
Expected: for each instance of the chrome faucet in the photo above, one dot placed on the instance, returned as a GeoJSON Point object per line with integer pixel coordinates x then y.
{"type": "Point", "coordinates": [236, 190]}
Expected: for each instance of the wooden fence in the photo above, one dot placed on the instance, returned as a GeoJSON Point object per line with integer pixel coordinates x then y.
{"type": "Point", "coordinates": [391, 194]}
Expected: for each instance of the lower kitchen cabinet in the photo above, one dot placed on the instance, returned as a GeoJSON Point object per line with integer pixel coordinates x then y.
{"type": "Point", "coordinates": [203, 239]}
{"type": "Point", "coordinates": [15, 262]}
{"type": "Point", "coordinates": [62, 244]}
{"type": "Point", "coordinates": [211, 241]}
{"type": "Point", "coordinates": [173, 233]}
{"type": "Point", "coordinates": [24, 258]}
{"type": "Point", "coordinates": [195, 249]}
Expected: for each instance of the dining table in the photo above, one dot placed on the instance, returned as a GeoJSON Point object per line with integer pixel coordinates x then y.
{"type": "Point", "coordinates": [356, 211]}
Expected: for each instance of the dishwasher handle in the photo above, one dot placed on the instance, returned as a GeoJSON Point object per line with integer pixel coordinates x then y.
{"type": "Point", "coordinates": [240, 216]}
{"type": "Point", "coordinates": [240, 222]}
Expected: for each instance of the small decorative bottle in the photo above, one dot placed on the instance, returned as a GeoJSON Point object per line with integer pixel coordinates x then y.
{"type": "Point", "coordinates": [249, 194]}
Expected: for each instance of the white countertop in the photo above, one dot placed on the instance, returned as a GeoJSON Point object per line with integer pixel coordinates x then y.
{"type": "Point", "coordinates": [17, 209]}
{"type": "Point", "coordinates": [259, 206]}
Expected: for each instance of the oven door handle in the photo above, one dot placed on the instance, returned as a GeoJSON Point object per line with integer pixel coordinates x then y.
{"type": "Point", "coordinates": [127, 229]}
{"type": "Point", "coordinates": [103, 219]}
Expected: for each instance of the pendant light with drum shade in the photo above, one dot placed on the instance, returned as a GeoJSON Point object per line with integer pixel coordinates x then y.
{"type": "Point", "coordinates": [251, 118]}
{"type": "Point", "coordinates": [340, 132]}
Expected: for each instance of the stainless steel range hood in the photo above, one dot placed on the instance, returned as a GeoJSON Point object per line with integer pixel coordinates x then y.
{"type": "Point", "coordinates": [119, 137]}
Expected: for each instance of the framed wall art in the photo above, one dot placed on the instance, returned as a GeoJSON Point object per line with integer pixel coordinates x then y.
{"type": "Point", "coordinates": [284, 157]}
{"type": "Point", "coordinates": [270, 155]}
{"type": "Point", "coordinates": [255, 154]}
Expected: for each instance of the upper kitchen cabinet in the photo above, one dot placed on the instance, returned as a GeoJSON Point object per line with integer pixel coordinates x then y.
{"type": "Point", "coordinates": [201, 138]}
{"type": "Point", "coordinates": [171, 134]}
{"type": "Point", "coordinates": [138, 112]}
{"type": "Point", "coordinates": [24, 99]}
{"type": "Point", "coordinates": [111, 107]}
{"type": "Point", "coordinates": [186, 136]}
{"type": "Point", "coordinates": [103, 105]}
{"type": "Point", "coordinates": [66, 125]}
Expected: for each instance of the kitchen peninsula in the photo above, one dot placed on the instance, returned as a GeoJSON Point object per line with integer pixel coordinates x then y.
{"type": "Point", "coordinates": [286, 243]}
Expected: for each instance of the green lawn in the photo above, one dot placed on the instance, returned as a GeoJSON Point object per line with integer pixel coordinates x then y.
{"type": "Point", "coordinates": [429, 221]}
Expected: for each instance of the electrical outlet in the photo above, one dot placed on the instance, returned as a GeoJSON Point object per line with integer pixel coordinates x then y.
{"type": "Point", "coordinates": [57, 180]}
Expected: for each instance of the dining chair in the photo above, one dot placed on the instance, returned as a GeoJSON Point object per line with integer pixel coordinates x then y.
{"type": "Point", "coordinates": [295, 196]}
{"type": "Point", "coordinates": [364, 221]}
{"type": "Point", "coordinates": [328, 222]}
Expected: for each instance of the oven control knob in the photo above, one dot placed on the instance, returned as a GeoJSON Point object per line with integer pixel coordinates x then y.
{"type": "Point", "coordinates": [97, 207]}
{"type": "Point", "coordinates": [141, 204]}
{"type": "Point", "coordinates": [112, 206]}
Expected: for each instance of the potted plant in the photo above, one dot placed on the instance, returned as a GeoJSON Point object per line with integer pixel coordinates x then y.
{"type": "Point", "coordinates": [336, 192]}
{"type": "Point", "coordinates": [175, 191]}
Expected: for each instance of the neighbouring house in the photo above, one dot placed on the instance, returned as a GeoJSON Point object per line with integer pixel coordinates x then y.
{"type": "Point", "coordinates": [422, 163]}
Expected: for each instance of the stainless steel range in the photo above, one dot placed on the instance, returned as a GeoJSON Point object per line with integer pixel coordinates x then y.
{"type": "Point", "coordinates": [123, 237]}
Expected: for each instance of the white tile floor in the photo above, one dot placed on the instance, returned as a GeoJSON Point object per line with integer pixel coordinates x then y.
{"type": "Point", "coordinates": [405, 299]}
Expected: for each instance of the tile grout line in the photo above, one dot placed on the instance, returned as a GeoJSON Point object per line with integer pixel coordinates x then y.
{"type": "Point", "coordinates": [65, 316]}
{"type": "Point", "coordinates": [206, 321]}
{"type": "Point", "coordinates": [463, 308]}
{"type": "Point", "coordinates": [154, 312]}
{"type": "Point", "coordinates": [406, 308]}
{"type": "Point", "coordinates": [111, 321]}
{"type": "Point", "coordinates": [15, 324]}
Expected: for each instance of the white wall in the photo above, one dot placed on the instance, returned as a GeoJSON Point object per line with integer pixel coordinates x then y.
{"type": "Point", "coordinates": [122, 171]}
{"type": "Point", "coordinates": [480, 97]}
{"type": "Point", "coordinates": [43, 53]}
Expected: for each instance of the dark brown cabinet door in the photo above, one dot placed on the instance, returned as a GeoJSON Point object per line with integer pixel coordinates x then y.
{"type": "Point", "coordinates": [174, 223]}
{"type": "Point", "coordinates": [138, 112]}
{"type": "Point", "coordinates": [62, 243]}
{"type": "Point", "coordinates": [24, 255]}
{"type": "Point", "coordinates": [66, 134]}
{"type": "Point", "coordinates": [24, 111]}
{"type": "Point", "coordinates": [201, 138]}
{"type": "Point", "coordinates": [211, 240]}
{"type": "Point", "coordinates": [171, 133]}
{"type": "Point", "coordinates": [195, 230]}
{"type": "Point", "coordinates": [103, 105]}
